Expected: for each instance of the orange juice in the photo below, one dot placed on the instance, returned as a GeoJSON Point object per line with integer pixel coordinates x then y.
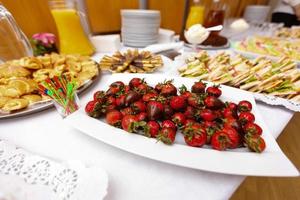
{"type": "Point", "coordinates": [196, 16]}
{"type": "Point", "coordinates": [72, 38]}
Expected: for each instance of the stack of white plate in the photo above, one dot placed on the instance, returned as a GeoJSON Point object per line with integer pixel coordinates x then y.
{"type": "Point", "coordinates": [256, 13]}
{"type": "Point", "coordinates": [140, 27]}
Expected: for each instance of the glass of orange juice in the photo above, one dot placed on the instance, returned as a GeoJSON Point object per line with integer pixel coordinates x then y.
{"type": "Point", "coordinates": [196, 14]}
{"type": "Point", "coordinates": [72, 37]}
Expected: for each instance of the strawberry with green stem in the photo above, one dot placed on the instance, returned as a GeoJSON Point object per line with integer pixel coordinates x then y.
{"type": "Point", "coordinates": [151, 129]}
{"type": "Point", "coordinates": [131, 124]}
{"type": "Point", "coordinates": [94, 109]}
{"type": "Point", "coordinates": [220, 141]}
{"type": "Point", "coordinates": [255, 143]}
{"type": "Point", "coordinates": [114, 118]}
{"type": "Point", "coordinates": [166, 135]}
{"type": "Point", "coordinates": [195, 135]}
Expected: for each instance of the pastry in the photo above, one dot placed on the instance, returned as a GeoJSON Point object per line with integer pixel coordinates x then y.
{"type": "Point", "coordinates": [31, 63]}
{"type": "Point", "coordinates": [3, 100]}
{"type": "Point", "coordinates": [32, 98]}
{"type": "Point", "coordinates": [14, 71]}
{"type": "Point", "coordinates": [15, 104]}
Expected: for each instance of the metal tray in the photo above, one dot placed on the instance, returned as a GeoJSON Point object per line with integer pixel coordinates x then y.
{"type": "Point", "coordinates": [43, 105]}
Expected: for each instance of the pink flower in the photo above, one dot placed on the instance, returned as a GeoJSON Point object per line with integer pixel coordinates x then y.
{"type": "Point", "coordinates": [47, 39]}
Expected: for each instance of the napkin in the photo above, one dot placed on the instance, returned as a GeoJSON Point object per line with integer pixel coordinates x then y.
{"type": "Point", "coordinates": [156, 48]}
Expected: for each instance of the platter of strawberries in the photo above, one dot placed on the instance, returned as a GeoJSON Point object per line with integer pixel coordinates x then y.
{"type": "Point", "coordinates": [185, 122]}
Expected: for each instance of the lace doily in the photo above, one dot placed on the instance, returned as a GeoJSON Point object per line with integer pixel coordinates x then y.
{"type": "Point", "coordinates": [68, 181]}
{"type": "Point", "coordinates": [272, 100]}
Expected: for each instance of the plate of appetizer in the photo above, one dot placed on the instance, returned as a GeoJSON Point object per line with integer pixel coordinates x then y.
{"type": "Point", "coordinates": [273, 82]}
{"type": "Point", "coordinates": [292, 33]}
{"type": "Point", "coordinates": [135, 61]}
{"type": "Point", "coordinates": [19, 80]}
{"type": "Point", "coordinates": [272, 47]}
{"type": "Point", "coordinates": [184, 122]}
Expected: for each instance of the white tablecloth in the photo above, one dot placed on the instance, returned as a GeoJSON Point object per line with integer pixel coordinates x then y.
{"type": "Point", "coordinates": [130, 176]}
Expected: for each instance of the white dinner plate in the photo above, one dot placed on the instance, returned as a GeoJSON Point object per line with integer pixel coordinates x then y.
{"type": "Point", "coordinates": [272, 162]}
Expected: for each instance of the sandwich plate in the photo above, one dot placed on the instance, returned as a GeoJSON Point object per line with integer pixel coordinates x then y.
{"type": "Point", "coordinates": [271, 162]}
{"type": "Point", "coordinates": [266, 98]}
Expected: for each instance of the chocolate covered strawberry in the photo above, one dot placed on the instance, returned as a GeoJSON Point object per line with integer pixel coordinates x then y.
{"type": "Point", "coordinates": [198, 87]}
{"type": "Point", "coordinates": [244, 106]}
{"type": "Point", "coordinates": [142, 88]}
{"type": "Point", "coordinates": [213, 102]}
{"type": "Point", "coordinates": [132, 96]}
{"type": "Point", "coordinates": [135, 82]}
{"type": "Point", "coordinates": [214, 91]}
{"type": "Point", "coordinates": [115, 88]}
{"type": "Point", "coordinates": [151, 129]}
{"type": "Point", "coordinates": [138, 107]}
{"type": "Point", "coordinates": [167, 135]}
{"type": "Point", "coordinates": [178, 103]}
{"type": "Point", "coordinates": [168, 111]}
{"type": "Point", "coordinates": [195, 135]}
{"type": "Point", "coordinates": [220, 141]}
{"type": "Point", "coordinates": [155, 110]}
{"type": "Point", "coordinates": [114, 118]}
{"type": "Point", "coordinates": [168, 89]}
{"type": "Point", "coordinates": [118, 84]}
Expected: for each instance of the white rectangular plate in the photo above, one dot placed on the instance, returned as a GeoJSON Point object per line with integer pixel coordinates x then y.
{"type": "Point", "coordinates": [272, 162]}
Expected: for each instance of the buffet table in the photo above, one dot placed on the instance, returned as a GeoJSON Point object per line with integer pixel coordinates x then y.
{"type": "Point", "coordinates": [130, 176]}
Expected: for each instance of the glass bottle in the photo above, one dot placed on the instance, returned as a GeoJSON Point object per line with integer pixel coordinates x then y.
{"type": "Point", "coordinates": [196, 14]}
{"type": "Point", "coordinates": [13, 42]}
{"type": "Point", "coordinates": [72, 37]}
{"type": "Point", "coordinates": [215, 15]}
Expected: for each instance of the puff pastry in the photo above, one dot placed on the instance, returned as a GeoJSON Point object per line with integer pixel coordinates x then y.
{"type": "Point", "coordinates": [15, 104]}
{"type": "Point", "coordinates": [3, 100]}
{"type": "Point", "coordinates": [32, 98]}
{"type": "Point", "coordinates": [14, 71]}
